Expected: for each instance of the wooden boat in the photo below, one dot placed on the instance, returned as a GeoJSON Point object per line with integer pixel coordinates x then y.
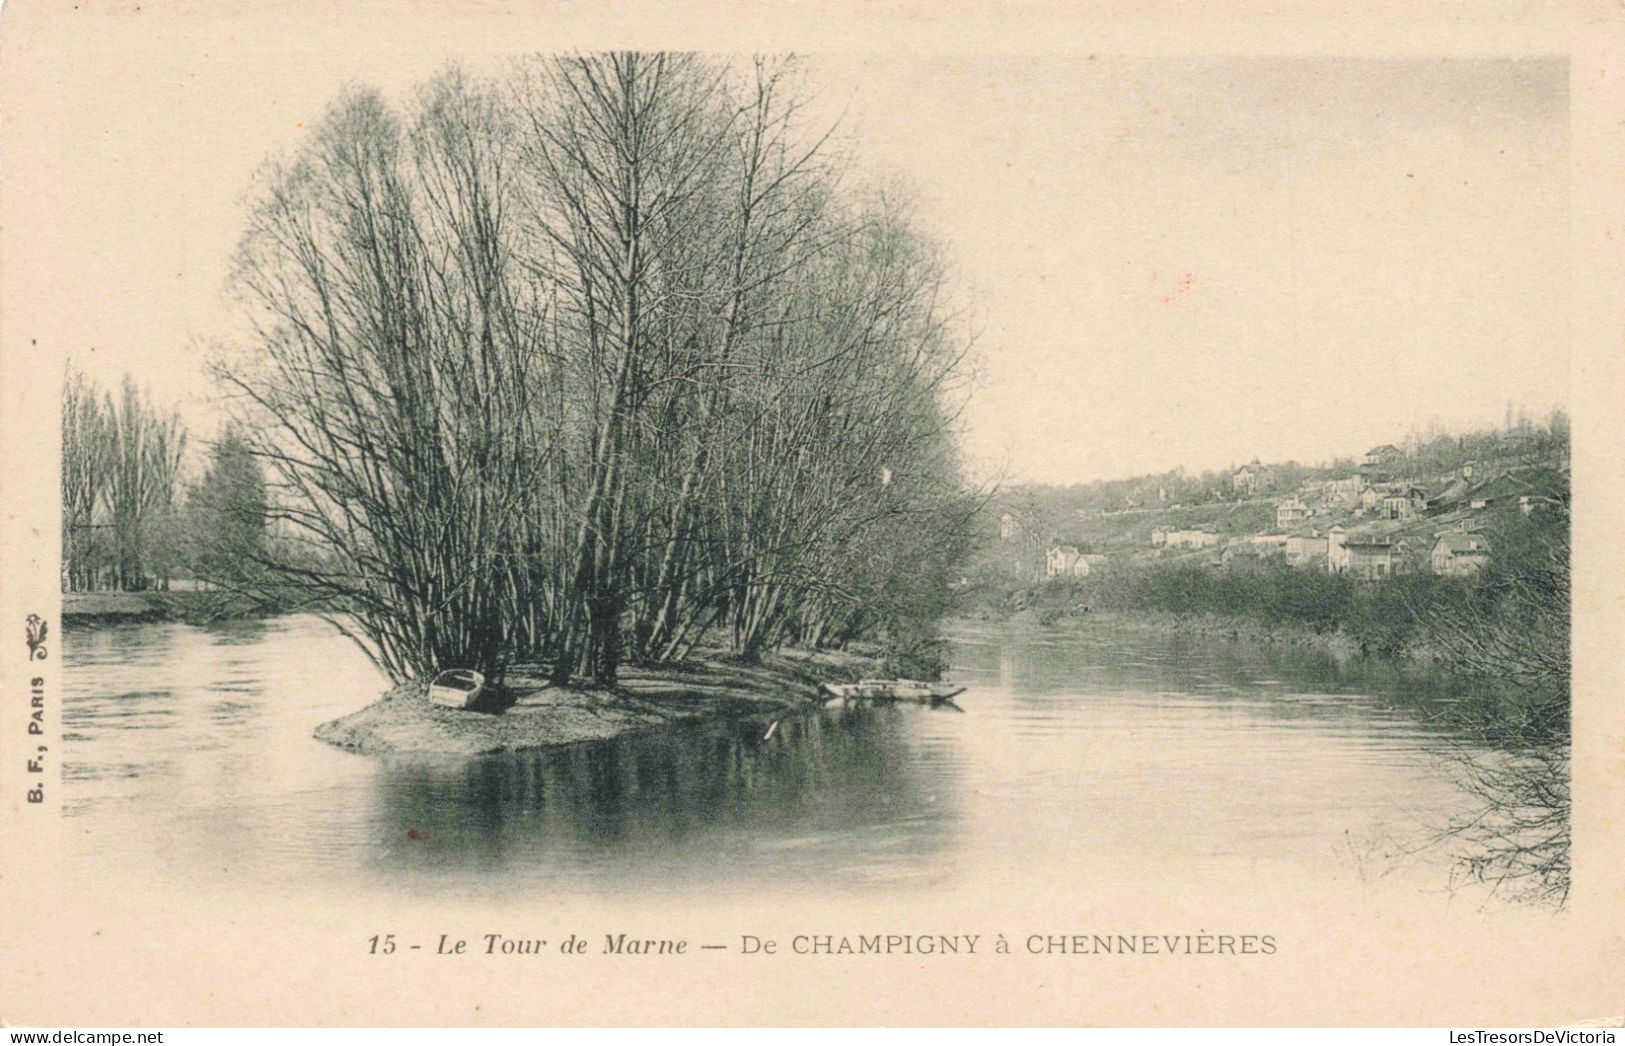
{"type": "Point", "coordinates": [894, 690]}
{"type": "Point", "coordinates": [883, 690]}
{"type": "Point", "coordinates": [456, 688]}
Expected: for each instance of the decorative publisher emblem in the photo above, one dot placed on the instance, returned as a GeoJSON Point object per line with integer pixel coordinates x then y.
{"type": "Point", "coordinates": [37, 631]}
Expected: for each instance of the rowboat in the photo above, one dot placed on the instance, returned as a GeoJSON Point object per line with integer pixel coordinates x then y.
{"type": "Point", "coordinates": [456, 688]}
{"type": "Point", "coordinates": [883, 690]}
{"type": "Point", "coordinates": [894, 690]}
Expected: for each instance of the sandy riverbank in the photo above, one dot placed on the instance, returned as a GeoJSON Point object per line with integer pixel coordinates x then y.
{"type": "Point", "coordinates": [543, 716]}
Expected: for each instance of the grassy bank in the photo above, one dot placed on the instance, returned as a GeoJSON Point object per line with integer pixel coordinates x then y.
{"type": "Point", "coordinates": [709, 687]}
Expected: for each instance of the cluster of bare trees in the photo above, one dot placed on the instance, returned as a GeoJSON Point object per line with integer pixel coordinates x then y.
{"type": "Point", "coordinates": [1513, 631]}
{"type": "Point", "coordinates": [1514, 623]}
{"type": "Point", "coordinates": [121, 463]}
{"type": "Point", "coordinates": [583, 364]}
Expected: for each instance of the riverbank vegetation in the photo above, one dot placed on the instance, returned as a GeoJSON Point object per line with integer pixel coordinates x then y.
{"type": "Point", "coordinates": [587, 364]}
{"type": "Point", "coordinates": [1508, 622]}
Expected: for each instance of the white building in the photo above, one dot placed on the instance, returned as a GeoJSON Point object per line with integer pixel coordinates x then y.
{"type": "Point", "coordinates": [1337, 552]}
{"type": "Point", "coordinates": [1067, 561]}
{"type": "Point", "coordinates": [1193, 538]}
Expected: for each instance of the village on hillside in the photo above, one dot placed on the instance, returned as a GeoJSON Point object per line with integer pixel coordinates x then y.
{"type": "Point", "coordinates": [1395, 511]}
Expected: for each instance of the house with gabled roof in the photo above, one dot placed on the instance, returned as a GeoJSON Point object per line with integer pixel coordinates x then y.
{"type": "Point", "coordinates": [1375, 554]}
{"type": "Point", "coordinates": [1252, 478]}
{"type": "Point", "coordinates": [1068, 561]}
{"type": "Point", "coordinates": [1459, 554]}
{"type": "Point", "coordinates": [1206, 536]}
{"type": "Point", "coordinates": [1290, 511]}
{"type": "Point", "coordinates": [1381, 455]}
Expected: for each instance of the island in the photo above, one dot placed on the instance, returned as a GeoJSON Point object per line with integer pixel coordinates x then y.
{"type": "Point", "coordinates": [534, 713]}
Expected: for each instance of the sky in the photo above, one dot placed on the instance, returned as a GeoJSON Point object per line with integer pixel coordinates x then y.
{"type": "Point", "coordinates": [1198, 261]}
{"type": "Point", "coordinates": [1165, 261]}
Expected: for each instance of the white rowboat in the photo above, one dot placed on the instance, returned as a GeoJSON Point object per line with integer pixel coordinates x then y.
{"type": "Point", "coordinates": [894, 690]}
{"type": "Point", "coordinates": [456, 688]}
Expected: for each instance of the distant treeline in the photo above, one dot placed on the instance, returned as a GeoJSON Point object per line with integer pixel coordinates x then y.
{"type": "Point", "coordinates": [129, 522]}
{"type": "Point", "coordinates": [121, 463]}
{"type": "Point", "coordinates": [584, 363]}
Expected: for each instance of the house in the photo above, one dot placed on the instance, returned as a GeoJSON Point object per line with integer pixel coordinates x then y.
{"type": "Point", "coordinates": [1192, 537]}
{"type": "Point", "coordinates": [1289, 512]}
{"type": "Point", "coordinates": [1252, 478]}
{"type": "Point", "coordinates": [1059, 560]}
{"type": "Point", "coordinates": [1337, 553]}
{"type": "Point", "coordinates": [1343, 493]}
{"type": "Point", "coordinates": [1458, 554]}
{"type": "Point", "coordinates": [1086, 564]}
{"type": "Point", "coordinates": [1306, 549]}
{"type": "Point", "coordinates": [1403, 502]}
{"type": "Point", "coordinates": [1159, 537]}
{"type": "Point", "coordinates": [1241, 554]}
{"type": "Point", "coordinates": [1373, 556]}
{"type": "Point", "coordinates": [1368, 498]}
{"type": "Point", "coordinates": [1067, 561]}
{"type": "Point", "coordinates": [1009, 527]}
{"type": "Point", "coordinates": [1519, 483]}
{"type": "Point", "coordinates": [1453, 494]}
{"type": "Point", "coordinates": [1381, 457]}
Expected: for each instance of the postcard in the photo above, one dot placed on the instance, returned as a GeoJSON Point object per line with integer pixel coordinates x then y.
{"type": "Point", "coordinates": [811, 515]}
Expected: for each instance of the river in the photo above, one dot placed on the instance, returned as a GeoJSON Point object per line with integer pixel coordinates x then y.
{"type": "Point", "coordinates": [1111, 757]}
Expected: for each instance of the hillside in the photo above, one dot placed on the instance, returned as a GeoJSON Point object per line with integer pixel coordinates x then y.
{"type": "Point", "coordinates": [1411, 491]}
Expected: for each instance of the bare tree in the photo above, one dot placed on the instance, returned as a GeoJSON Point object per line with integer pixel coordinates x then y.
{"type": "Point", "coordinates": [1511, 633]}
{"type": "Point", "coordinates": [586, 364]}
{"type": "Point", "coordinates": [86, 468]}
{"type": "Point", "coordinates": [121, 465]}
{"type": "Point", "coordinates": [394, 394]}
{"type": "Point", "coordinates": [620, 147]}
{"type": "Point", "coordinates": [1516, 839]}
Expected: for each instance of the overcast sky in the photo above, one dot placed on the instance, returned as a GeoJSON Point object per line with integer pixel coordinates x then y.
{"type": "Point", "coordinates": [1169, 261]}
{"type": "Point", "coordinates": [1198, 261]}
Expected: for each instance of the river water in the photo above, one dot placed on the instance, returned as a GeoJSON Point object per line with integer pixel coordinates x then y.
{"type": "Point", "coordinates": [1106, 756]}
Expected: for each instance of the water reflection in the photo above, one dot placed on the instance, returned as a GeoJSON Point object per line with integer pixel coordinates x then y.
{"type": "Point", "coordinates": [676, 804]}
{"type": "Point", "coordinates": [1048, 661]}
{"type": "Point", "coordinates": [1095, 756]}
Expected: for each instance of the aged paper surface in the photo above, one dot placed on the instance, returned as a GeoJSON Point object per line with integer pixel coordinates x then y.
{"type": "Point", "coordinates": [847, 884]}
